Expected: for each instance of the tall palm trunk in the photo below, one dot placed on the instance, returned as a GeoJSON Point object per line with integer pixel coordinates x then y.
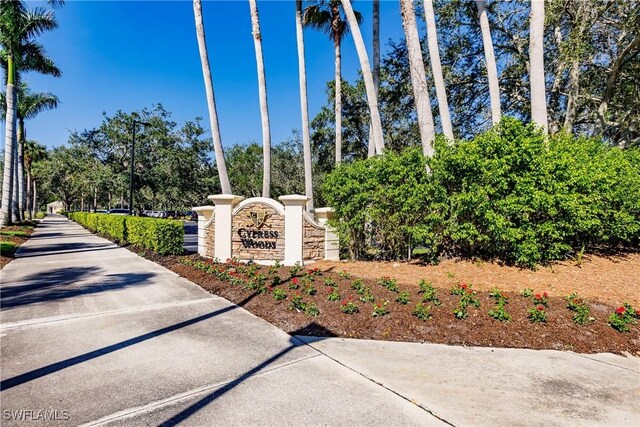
{"type": "Point", "coordinates": [376, 63]}
{"type": "Point", "coordinates": [6, 212]}
{"type": "Point", "coordinates": [304, 109]}
{"type": "Point", "coordinates": [372, 97]}
{"type": "Point", "coordinates": [35, 197]}
{"type": "Point", "coordinates": [536, 61]}
{"type": "Point", "coordinates": [20, 169]}
{"type": "Point", "coordinates": [211, 100]}
{"type": "Point", "coordinates": [418, 77]}
{"type": "Point", "coordinates": [436, 68]}
{"type": "Point", "coordinates": [490, 58]}
{"type": "Point", "coordinates": [29, 195]}
{"type": "Point", "coordinates": [16, 207]}
{"type": "Point", "coordinates": [264, 108]}
{"type": "Point", "coordinates": [335, 23]}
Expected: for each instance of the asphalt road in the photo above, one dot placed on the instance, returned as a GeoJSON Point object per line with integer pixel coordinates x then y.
{"type": "Point", "coordinates": [191, 236]}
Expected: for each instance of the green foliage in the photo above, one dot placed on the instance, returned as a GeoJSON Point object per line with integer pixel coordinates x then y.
{"type": "Point", "coordinates": [40, 215]}
{"type": "Point", "coordinates": [380, 310]}
{"type": "Point", "coordinates": [348, 307]}
{"type": "Point", "coordinates": [537, 314]}
{"type": "Point", "coordinates": [311, 310]}
{"type": "Point", "coordinates": [509, 194]}
{"type": "Point", "coordinates": [160, 235]}
{"type": "Point", "coordinates": [7, 248]}
{"type": "Point", "coordinates": [429, 293]}
{"type": "Point", "coordinates": [13, 233]}
{"type": "Point", "coordinates": [279, 294]}
{"type": "Point", "coordinates": [389, 283]}
{"type": "Point", "coordinates": [422, 312]}
{"type": "Point", "coordinates": [403, 297]}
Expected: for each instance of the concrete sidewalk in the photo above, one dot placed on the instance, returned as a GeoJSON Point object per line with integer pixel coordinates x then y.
{"type": "Point", "coordinates": [96, 335]}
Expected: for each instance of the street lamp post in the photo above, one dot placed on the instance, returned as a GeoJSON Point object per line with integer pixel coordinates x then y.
{"type": "Point", "coordinates": [133, 145]}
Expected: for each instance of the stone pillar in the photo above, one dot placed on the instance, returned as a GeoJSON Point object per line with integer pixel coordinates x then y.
{"type": "Point", "coordinates": [293, 231]}
{"type": "Point", "coordinates": [204, 215]}
{"type": "Point", "coordinates": [331, 241]}
{"type": "Point", "coordinates": [224, 221]}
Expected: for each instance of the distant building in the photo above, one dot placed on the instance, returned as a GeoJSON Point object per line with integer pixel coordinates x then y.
{"type": "Point", "coordinates": [55, 207]}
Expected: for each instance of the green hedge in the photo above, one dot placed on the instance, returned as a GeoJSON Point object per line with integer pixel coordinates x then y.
{"type": "Point", "coordinates": [160, 235]}
{"type": "Point", "coordinates": [509, 194]}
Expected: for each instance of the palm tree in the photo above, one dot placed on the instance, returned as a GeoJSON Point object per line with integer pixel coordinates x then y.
{"type": "Point", "coordinates": [211, 100]}
{"type": "Point", "coordinates": [33, 153]}
{"type": "Point", "coordinates": [326, 16]}
{"type": "Point", "coordinates": [492, 71]}
{"type": "Point", "coordinates": [264, 107]}
{"type": "Point", "coordinates": [306, 143]}
{"type": "Point", "coordinates": [418, 77]}
{"type": "Point", "coordinates": [436, 68]}
{"type": "Point", "coordinates": [376, 61]}
{"type": "Point", "coordinates": [18, 52]}
{"type": "Point", "coordinates": [536, 61]}
{"type": "Point", "coordinates": [372, 97]}
{"type": "Point", "coordinates": [28, 106]}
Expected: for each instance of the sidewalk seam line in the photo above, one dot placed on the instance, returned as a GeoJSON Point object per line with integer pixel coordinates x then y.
{"type": "Point", "coordinates": [429, 411]}
{"type": "Point", "coordinates": [607, 363]}
{"type": "Point", "coordinates": [127, 413]}
{"type": "Point", "coordinates": [45, 320]}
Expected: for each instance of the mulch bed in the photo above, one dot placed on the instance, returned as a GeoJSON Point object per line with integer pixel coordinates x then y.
{"type": "Point", "coordinates": [477, 329]}
{"type": "Point", "coordinates": [7, 257]}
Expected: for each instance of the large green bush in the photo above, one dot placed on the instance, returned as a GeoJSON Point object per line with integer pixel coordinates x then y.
{"type": "Point", "coordinates": [509, 194]}
{"type": "Point", "coordinates": [160, 235]}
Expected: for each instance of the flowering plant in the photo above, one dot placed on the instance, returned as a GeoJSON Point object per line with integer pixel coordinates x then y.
{"type": "Point", "coordinates": [380, 309]}
{"type": "Point", "coordinates": [460, 289]}
{"type": "Point", "coordinates": [294, 283]}
{"type": "Point", "coordinates": [537, 314]}
{"type": "Point", "coordinates": [541, 299]}
{"type": "Point", "coordinates": [279, 294]}
{"type": "Point", "coordinates": [333, 294]}
{"type": "Point", "coordinates": [297, 303]}
{"type": "Point", "coordinates": [349, 307]}
{"type": "Point", "coordinates": [429, 293]}
{"type": "Point", "coordinates": [311, 310]}
{"type": "Point", "coordinates": [403, 297]}
{"type": "Point", "coordinates": [389, 283]}
{"type": "Point", "coordinates": [624, 316]}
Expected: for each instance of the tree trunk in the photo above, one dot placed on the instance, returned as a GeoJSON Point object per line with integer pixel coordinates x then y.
{"type": "Point", "coordinates": [109, 197]}
{"type": "Point", "coordinates": [211, 100]}
{"type": "Point", "coordinates": [338, 102]}
{"type": "Point", "coordinates": [304, 109]}
{"type": "Point", "coordinates": [6, 212]}
{"type": "Point", "coordinates": [21, 188]}
{"type": "Point", "coordinates": [611, 83]}
{"type": "Point", "coordinates": [16, 207]}
{"type": "Point", "coordinates": [372, 97]}
{"type": "Point", "coordinates": [418, 77]}
{"type": "Point", "coordinates": [572, 99]}
{"type": "Point", "coordinates": [29, 195]}
{"type": "Point", "coordinates": [95, 199]}
{"type": "Point", "coordinates": [490, 58]}
{"type": "Point", "coordinates": [536, 59]}
{"type": "Point", "coordinates": [376, 65]}
{"type": "Point", "coordinates": [436, 67]}
{"type": "Point", "coordinates": [35, 197]}
{"type": "Point", "coordinates": [264, 108]}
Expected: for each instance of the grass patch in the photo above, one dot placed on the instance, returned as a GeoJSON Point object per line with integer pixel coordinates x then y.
{"type": "Point", "coordinates": [13, 233]}
{"type": "Point", "coordinates": [7, 248]}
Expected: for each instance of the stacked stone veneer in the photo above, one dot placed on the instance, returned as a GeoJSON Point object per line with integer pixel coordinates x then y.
{"type": "Point", "coordinates": [311, 237]}
{"type": "Point", "coordinates": [313, 240]}
{"type": "Point", "coordinates": [274, 222]}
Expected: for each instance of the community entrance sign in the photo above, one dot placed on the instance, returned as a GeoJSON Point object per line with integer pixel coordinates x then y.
{"type": "Point", "coordinates": [265, 230]}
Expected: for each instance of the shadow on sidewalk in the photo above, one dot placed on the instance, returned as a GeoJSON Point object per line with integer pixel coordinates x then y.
{"type": "Point", "coordinates": [61, 284]}
{"type": "Point", "coordinates": [63, 364]}
{"type": "Point", "coordinates": [294, 343]}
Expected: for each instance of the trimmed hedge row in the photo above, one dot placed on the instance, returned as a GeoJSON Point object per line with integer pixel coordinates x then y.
{"type": "Point", "coordinates": [160, 235]}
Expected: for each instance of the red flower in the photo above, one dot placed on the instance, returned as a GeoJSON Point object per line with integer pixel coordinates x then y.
{"type": "Point", "coordinates": [329, 289]}
{"type": "Point", "coordinates": [538, 296]}
{"type": "Point", "coordinates": [344, 303]}
{"type": "Point", "coordinates": [545, 295]}
{"type": "Point", "coordinates": [463, 286]}
{"type": "Point", "coordinates": [294, 280]}
{"type": "Point", "coordinates": [637, 313]}
{"type": "Point", "coordinates": [270, 288]}
{"type": "Point", "coordinates": [540, 308]}
{"type": "Point", "coordinates": [470, 292]}
{"type": "Point", "coordinates": [620, 310]}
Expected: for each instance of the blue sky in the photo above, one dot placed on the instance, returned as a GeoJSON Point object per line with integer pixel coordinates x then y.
{"type": "Point", "coordinates": [131, 54]}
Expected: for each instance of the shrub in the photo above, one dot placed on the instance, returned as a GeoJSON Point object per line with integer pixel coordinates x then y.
{"type": "Point", "coordinates": [422, 312]}
{"type": "Point", "coordinates": [160, 235]}
{"type": "Point", "coordinates": [510, 194]}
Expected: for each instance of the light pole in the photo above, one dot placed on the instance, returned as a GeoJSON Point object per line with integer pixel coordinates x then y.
{"type": "Point", "coordinates": [133, 145]}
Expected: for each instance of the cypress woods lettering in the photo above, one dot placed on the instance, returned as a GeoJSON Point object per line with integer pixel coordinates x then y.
{"type": "Point", "coordinates": [249, 238]}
